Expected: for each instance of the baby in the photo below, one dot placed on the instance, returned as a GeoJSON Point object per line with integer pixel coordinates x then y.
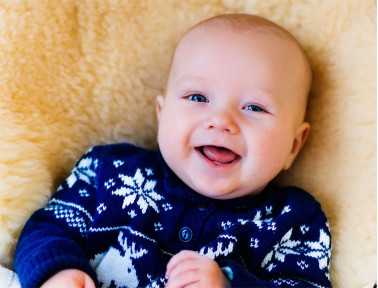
{"type": "Point", "coordinates": [202, 211]}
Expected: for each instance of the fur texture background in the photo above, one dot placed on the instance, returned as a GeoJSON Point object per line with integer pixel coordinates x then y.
{"type": "Point", "coordinates": [78, 73]}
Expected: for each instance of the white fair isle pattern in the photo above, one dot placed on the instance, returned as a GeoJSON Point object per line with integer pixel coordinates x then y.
{"type": "Point", "coordinates": [304, 229]}
{"type": "Point", "coordinates": [226, 225]}
{"type": "Point", "coordinates": [286, 246]}
{"type": "Point", "coordinates": [158, 226]}
{"type": "Point", "coordinates": [286, 209]}
{"type": "Point", "coordinates": [149, 171]}
{"type": "Point", "coordinates": [302, 264]}
{"type": "Point", "coordinates": [109, 184]}
{"type": "Point", "coordinates": [83, 193]}
{"type": "Point", "coordinates": [293, 283]}
{"type": "Point", "coordinates": [224, 246]}
{"type": "Point", "coordinates": [285, 282]}
{"type": "Point", "coordinates": [132, 231]}
{"type": "Point", "coordinates": [320, 249]}
{"type": "Point", "coordinates": [132, 213]}
{"type": "Point", "coordinates": [116, 267]}
{"type": "Point", "coordinates": [74, 215]}
{"type": "Point", "coordinates": [118, 163]}
{"type": "Point", "coordinates": [84, 171]}
{"type": "Point", "coordinates": [254, 243]}
{"type": "Point", "coordinates": [138, 187]}
{"type": "Point", "coordinates": [101, 208]}
{"type": "Point", "coordinates": [159, 282]}
{"type": "Point", "coordinates": [263, 223]}
{"type": "Point", "coordinates": [167, 206]}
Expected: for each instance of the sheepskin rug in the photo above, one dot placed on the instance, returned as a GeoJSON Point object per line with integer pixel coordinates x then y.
{"type": "Point", "coordinates": [77, 73]}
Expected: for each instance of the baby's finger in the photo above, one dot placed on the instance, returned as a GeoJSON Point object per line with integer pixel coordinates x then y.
{"type": "Point", "coordinates": [193, 285]}
{"type": "Point", "coordinates": [89, 282]}
{"type": "Point", "coordinates": [183, 279]}
{"type": "Point", "coordinates": [183, 266]}
{"type": "Point", "coordinates": [184, 254]}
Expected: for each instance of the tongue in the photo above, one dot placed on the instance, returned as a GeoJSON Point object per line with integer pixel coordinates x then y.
{"type": "Point", "coordinates": [219, 154]}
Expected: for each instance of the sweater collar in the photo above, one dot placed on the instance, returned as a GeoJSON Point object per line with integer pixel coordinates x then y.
{"type": "Point", "coordinates": [176, 188]}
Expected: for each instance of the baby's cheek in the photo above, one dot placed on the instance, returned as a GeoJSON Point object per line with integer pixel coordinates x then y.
{"type": "Point", "coordinates": [269, 151]}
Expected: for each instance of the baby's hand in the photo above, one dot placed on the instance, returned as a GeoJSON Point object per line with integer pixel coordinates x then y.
{"type": "Point", "coordinates": [69, 278]}
{"type": "Point", "coordinates": [188, 269]}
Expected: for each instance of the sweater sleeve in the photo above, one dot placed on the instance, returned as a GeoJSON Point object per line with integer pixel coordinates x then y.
{"type": "Point", "coordinates": [52, 239]}
{"type": "Point", "coordinates": [299, 257]}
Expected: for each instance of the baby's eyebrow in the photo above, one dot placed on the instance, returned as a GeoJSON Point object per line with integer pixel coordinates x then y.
{"type": "Point", "coordinates": [262, 90]}
{"type": "Point", "coordinates": [185, 79]}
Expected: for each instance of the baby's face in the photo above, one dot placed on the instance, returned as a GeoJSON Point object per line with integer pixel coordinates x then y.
{"type": "Point", "coordinates": [231, 118]}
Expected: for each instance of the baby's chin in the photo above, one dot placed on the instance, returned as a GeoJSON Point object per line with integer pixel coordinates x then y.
{"type": "Point", "coordinates": [217, 191]}
{"type": "Point", "coordinates": [224, 191]}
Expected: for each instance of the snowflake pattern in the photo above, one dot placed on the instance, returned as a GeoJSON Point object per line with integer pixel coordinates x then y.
{"type": "Point", "coordinates": [139, 189]}
{"type": "Point", "coordinates": [84, 171]}
{"type": "Point", "coordinates": [319, 250]}
{"type": "Point", "coordinates": [285, 247]}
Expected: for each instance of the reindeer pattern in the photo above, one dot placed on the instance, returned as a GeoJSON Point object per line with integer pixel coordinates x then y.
{"type": "Point", "coordinates": [115, 268]}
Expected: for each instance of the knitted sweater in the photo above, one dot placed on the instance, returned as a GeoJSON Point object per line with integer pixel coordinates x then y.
{"type": "Point", "coordinates": [122, 214]}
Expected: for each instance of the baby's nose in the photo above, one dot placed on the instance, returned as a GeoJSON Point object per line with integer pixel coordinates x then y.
{"type": "Point", "coordinates": [223, 123]}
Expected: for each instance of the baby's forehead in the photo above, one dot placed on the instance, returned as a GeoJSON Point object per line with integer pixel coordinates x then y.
{"type": "Point", "coordinates": [241, 24]}
{"type": "Point", "coordinates": [250, 29]}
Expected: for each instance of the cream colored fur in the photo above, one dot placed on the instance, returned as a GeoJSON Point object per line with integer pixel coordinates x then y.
{"type": "Point", "coordinates": [79, 73]}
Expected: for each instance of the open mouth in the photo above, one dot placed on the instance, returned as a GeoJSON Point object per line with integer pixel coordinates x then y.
{"type": "Point", "coordinates": [219, 156]}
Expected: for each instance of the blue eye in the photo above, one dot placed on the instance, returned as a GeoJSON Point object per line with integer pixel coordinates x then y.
{"type": "Point", "coordinates": [197, 98]}
{"type": "Point", "coordinates": [254, 108]}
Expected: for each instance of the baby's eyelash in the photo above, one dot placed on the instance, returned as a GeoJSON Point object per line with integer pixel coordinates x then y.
{"type": "Point", "coordinates": [197, 98]}
{"type": "Point", "coordinates": [255, 108]}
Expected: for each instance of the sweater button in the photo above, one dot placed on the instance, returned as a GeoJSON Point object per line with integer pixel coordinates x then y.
{"type": "Point", "coordinates": [185, 234]}
{"type": "Point", "coordinates": [201, 208]}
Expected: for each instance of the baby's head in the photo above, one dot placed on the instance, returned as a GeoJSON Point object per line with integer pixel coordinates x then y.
{"type": "Point", "coordinates": [232, 116]}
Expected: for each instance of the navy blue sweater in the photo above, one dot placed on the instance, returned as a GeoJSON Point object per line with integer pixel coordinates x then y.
{"type": "Point", "coordinates": [122, 214]}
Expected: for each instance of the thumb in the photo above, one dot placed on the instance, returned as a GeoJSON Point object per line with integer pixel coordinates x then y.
{"type": "Point", "coordinates": [88, 282]}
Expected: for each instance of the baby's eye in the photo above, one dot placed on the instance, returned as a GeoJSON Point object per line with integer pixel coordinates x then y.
{"type": "Point", "coordinates": [197, 98]}
{"type": "Point", "coordinates": [254, 108]}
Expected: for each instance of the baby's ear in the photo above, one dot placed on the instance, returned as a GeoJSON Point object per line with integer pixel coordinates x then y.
{"type": "Point", "coordinates": [159, 105]}
{"type": "Point", "coordinates": [299, 140]}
